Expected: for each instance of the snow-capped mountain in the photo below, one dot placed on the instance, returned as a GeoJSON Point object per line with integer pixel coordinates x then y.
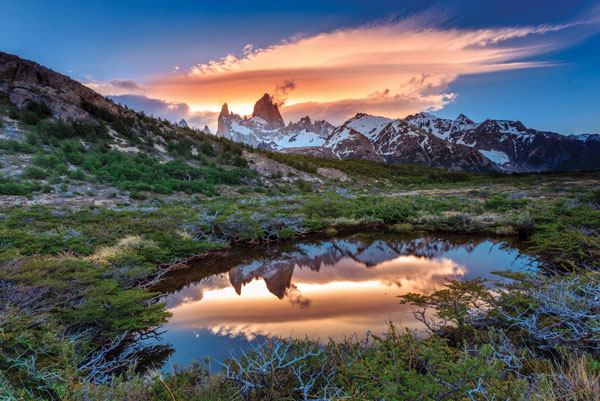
{"type": "Point", "coordinates": [586, 137]}
{"type": "Point", "coordinates": [421, 139]}
{"type": "Point", "coordinates": [266, 128]}
{"type": "Point", "coordinates": [396, 141]}
{"type": "Point", "coordinates": [513, 146]}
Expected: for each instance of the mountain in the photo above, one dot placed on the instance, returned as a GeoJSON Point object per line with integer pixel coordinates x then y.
{"type": "Point", "coordinates": [396, 141]}
{"type": "Point", "coordinates": [266, 128]}
{"type": "Point", "coordinates": [361, 137]}
{"type": "Point", "coordinates": [420, 139]}
{"type": "Point", "coordinates": [268, 111]}
{"type": "Point", "coordinates": [513, 146]}
{"type": "Point", "coordinates": [586, 137]}
{"type": "Point", "coordinates": [25, 82]}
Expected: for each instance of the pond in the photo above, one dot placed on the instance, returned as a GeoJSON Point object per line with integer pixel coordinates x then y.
{"type": "Point", "coordinates": [319, 288]}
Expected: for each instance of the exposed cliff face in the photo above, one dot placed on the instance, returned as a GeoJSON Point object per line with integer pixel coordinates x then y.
{"type": "Point", "coordinates": [24, 81]}
{"type": "Point", "coordinates": [267, 110]}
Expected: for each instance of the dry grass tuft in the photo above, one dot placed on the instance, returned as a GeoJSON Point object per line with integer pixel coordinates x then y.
{"type": "Point", "coordinates": [573, 380]}
{"type": "Point", "coordinates": [104, 255]}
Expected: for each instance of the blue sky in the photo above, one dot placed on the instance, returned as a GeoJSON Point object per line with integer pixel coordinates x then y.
{"type": "Point", "coordinates": [143, 41]}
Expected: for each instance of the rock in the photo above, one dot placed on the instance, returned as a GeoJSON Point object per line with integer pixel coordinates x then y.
{"type": "Point", "coordinates": [333, 173]}
{"type": "Point", "coordinates": [267, 167]}
{"type": "Point", "coordinates": [268, 111]}
{"type": "Point", "coordinates": [24, 81]}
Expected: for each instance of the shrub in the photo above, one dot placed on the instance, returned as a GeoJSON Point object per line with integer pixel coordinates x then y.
{"type": "Point", "coordinates": [41, 110]}
{"type": "Point", "coordinates": [138, 195]}
{"type": "Point", "coordinates": [29, 117]}
{"type": "Point", "coordinates": [34, 173]}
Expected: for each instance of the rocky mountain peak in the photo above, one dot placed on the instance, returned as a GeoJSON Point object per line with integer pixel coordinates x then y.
{"type": "Point", "coordinates": [224, 110]}
{"type": "Point", "coordinates": [305, 120]}
{"type": "Point", "coordinates": [223, 122]}
{"type": "Point", "coordinates": [267, 110]}
{"type": "Point", "coordinates": [463, 119]}
{"type": "Point", "coordinates": [425, 115]}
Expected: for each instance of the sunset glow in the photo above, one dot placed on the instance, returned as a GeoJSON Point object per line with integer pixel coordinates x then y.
{"type": "Point", "coordinates": [389, 69]}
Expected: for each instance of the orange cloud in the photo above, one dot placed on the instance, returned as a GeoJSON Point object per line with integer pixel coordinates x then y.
{"type": "Point", "coordinates": [390, 69]}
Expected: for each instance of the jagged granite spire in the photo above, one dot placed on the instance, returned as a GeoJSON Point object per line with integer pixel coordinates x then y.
{"type": "Point", "coordinates": [267, 110]}
{"type": "Point", "coordinates": [223, 121]}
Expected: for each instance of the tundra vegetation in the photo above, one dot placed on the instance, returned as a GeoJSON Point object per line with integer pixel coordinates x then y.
{"type": "Point", "coordinates": [76, 278]}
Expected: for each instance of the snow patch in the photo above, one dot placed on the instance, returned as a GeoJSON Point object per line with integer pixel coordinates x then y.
{"type": "Point", "coordinates": [495, 156]}
{"type": "Point", "coordinates": [368, 125]}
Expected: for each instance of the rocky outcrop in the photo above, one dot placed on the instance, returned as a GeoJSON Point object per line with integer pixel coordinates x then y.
{"type": "Point", "coordinates": [267, 110]}
{"type": "Point", "coordinates": [24, 81]}
{"type": "Point", "coordinates": [315, 151]}
{"type": "Point", "coordinates": [267, 167]}
{"type": "Point", "coordinates": [333, 173]}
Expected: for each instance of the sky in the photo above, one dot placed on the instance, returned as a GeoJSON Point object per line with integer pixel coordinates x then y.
{"type": "Point", "coordinates": [536, 61]}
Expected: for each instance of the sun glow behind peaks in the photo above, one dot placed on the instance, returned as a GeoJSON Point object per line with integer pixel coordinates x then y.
{"type": "Point", "coordinates": [241, 108]}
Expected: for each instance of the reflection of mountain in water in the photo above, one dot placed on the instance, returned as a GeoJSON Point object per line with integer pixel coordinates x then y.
{"type": "Point", "coordinates": [277, 274]}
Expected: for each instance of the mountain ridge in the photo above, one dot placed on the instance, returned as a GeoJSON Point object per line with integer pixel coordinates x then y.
{"type": "Point", "coordinates": [421, 139]}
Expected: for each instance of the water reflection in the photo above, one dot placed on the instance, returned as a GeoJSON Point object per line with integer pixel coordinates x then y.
{"type": "Point", "coordinates": [323, 289]}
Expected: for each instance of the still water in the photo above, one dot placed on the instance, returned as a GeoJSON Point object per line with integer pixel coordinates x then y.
{"type": "Point", "coordinates": [317, 289]}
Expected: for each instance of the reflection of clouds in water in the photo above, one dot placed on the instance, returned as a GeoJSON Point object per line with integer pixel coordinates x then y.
{"type": "Point", "coordinates": [346, 260]}
{"type": "Point", "coordinates": [295, 297]}
{"type": "Point", "coordinates": [403, 272]}
{"type": "Point", "coordinates": [195, 292]}
{"type": "Point", "coordinates": [345, 298]}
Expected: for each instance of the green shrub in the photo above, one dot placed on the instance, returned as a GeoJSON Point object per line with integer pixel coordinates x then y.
{"type": "Point", "coordinates": [503, 204]}
{"type": "Point", "coordinates": [29, 117]}
{"type": "Point", "coordinates": [138, 195]}
{"type": "Point", "coordinates": [34, 173]}
{"type": "Point", "coordinates": [41, 110]}
{"type": "Point", "coordinates": [13, 114]}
